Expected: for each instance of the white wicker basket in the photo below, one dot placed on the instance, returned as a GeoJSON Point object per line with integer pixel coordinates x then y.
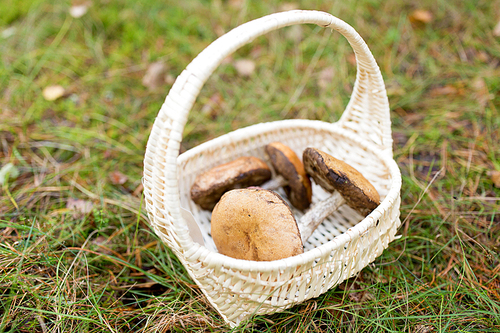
{"type": "Point", "coordinates": [340, 247]}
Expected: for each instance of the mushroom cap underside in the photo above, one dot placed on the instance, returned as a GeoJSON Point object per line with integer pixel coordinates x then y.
{"type": "Point", "coordinates": [333, 174]}
{"type": "Point", "coordinates": [289, 166]}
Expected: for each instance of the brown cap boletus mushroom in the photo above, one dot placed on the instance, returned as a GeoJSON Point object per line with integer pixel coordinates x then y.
{"type": "Point", "coordinates": [245, 171]}
{"type": "Point", "coordinates": [255, 224]}
{"type": "Point", "coordinates": [286, 163]}
{"type": "Point", "coordinates": [347, 183]}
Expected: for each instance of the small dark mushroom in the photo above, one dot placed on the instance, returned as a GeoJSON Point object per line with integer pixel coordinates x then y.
{"type": "Point", "coordinates": [347, 183]}
{"type": "Point", "coordinates": [246, 171]}
{"type": "Point", "coordinates": [286, 163]}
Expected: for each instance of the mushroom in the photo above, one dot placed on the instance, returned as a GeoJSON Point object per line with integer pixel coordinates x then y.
{"type": "Point", "coordinates": [245, 171]}
{"type": "Point", "coordinates": [296, 183]}
{"type": "Point", "coordinates": [255, 224]}
{"type": "Point", "coordinates": [348, 185]}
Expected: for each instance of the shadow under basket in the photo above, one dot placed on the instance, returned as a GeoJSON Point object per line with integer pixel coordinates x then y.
{"type": "Point", "coordinates": [340, 247]}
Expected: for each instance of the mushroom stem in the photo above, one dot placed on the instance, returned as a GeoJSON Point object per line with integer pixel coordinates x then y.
{"type": "Point", "coordinates": [318, 213]}
{"type": "Point", "coordinates": [274, 183]}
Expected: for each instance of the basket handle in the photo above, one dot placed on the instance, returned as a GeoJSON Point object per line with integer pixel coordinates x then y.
{"type": "Point", "coordinates": [367, 113]}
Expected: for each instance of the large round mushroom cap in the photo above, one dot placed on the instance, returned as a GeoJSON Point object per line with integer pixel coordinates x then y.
{"type": "Point", "coordinates": [333, 174]}
{"type": "Point", "coordinates": [255, 224]}
{"type": "Point", "coordinates": [288, 165]}
{"type": "Point", "coordinates": [245, 171]}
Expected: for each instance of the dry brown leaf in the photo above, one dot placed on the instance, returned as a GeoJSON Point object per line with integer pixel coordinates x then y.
{"type": "Point", "coordinates": [325, 77]}
{"type": "Point", "coordinates": [101, 241]}
{"type": "Point", "coordinates": [138, 190]}
{"type": "Point", "coordinates": [256, 51]}
{"type": "Point", "coordinates": [244, 67]}
{"type": "Point", "coordinates": [219, 30]}
{"type": "Point", "coordinates": [478, 84]}
{"type": "Point", "coordinates": [482, 93]}
{"type": "Point", "coordinates": [227, 60]}
{"type": "Point", "coordinates": [289, 6]}
{"type": "Point", "coordinates": [118, 178]}
{"type": "Point", "coordinates": [80, 206]}
{"type": "Point", "coordinates": [170, 79]}
{"type": "Point", "coordinates": [483, 56]}
{"type": "Point", "coordinates": [237, 4]}
{"type": "Point", "coordinates": [155, 75]}
{"type": "Point", "coordinates": [51, 93]}
{"type": "Point", "coordinates": [420, 16]}
{"type": "Point", "coordinates": [351, 58]}
{"type": "Point", "coordinates": [495, 178]}
{"type": "Point", "coordinates": [423, 329]}
{"type": "Point", "coordinates": [445, 90]}
{"type": "Point", "coordinates": [395, 90]}
{"type": "Point", "coordinates": [496, 30]}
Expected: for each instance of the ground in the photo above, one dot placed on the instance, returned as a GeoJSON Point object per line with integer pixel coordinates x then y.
{"type": "Point", "coordinates": [76, 251]}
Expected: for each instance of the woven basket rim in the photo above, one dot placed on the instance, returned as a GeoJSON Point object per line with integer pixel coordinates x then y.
{"type": "Point", "coordinates": [202, 253]}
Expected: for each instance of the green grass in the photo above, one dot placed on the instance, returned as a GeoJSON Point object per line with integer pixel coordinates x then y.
{"type": "Point", "coordinates": [103, 269]}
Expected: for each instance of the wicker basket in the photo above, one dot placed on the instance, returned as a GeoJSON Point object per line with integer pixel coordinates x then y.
{"type": "Point", "coordinates": [340, 247]}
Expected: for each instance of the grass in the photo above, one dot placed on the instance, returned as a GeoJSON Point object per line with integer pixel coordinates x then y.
{"type": "Point", "coordinates": [76, 252]}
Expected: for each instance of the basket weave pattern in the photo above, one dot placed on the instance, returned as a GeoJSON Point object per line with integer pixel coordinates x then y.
{"type": "Point", "coordinates": [344, 244]}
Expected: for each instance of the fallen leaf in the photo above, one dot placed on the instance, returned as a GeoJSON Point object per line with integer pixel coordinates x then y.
{"type": "Point", "coordinates": [138, 190]}
{"type": "Point", "coordinates": [396, 90]}
{"type": "Point", "coordinates": [227, 60]}
{"type": "Point", "coordinates": [118, 178]}
{"type": "Point", "coordinates": [7, 136]}
{"type": "Point", "coordinates": [80, 206]}
{"type": "Point", "coordinates": [9, 32]}
{"type": "Point", "coordinates": [294, 33]}
{"type": "Point", "coordinates": [8, 231]}
{"type": "Point", "coordinates": [77, 10]}
{"type": "Point", "coordinates": [420, 16]}
{"type": "Point", "coordinates": [8, 171]}
{"type": "Point", "coordinates": [482, 93]}
{"type": "Point", "coordinates": [51, 93]}
{"type": "Point", "coordinates": [213, 105]}
{"type": "Point", "coordinates": [100, 241]}
{"type": "Point", "coordinates": [495, 178]}
{"type": "Point", "coordinates": [446, 90]}
{"type": "Point", "coordinates": [108, 154]}
{"type": "Point", "coordinates": [289, 6]}
{"type": "Point", "coordinates": [236, 3]}
{"type": "Point", "coordinates": [423, 329]}
{"type": "Point", "coordinates": [256, 51]}
{"type": "Point", "coordinates": [325, 77]}
{"type": "Point", "coordinates": [155, 75]}
{"type": "Point", "coordinates": [170, 79]}
{"type": "Point", "coordinates": [351, 58]}
{"type": "Point", "coordinates": [496, 30]}
{"type": "Point", "coordinates": [219, 30]}
{"type": "Point", "coordinates": [244, 67]}
{"type": "Point", "coordinates": [483, 56]}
